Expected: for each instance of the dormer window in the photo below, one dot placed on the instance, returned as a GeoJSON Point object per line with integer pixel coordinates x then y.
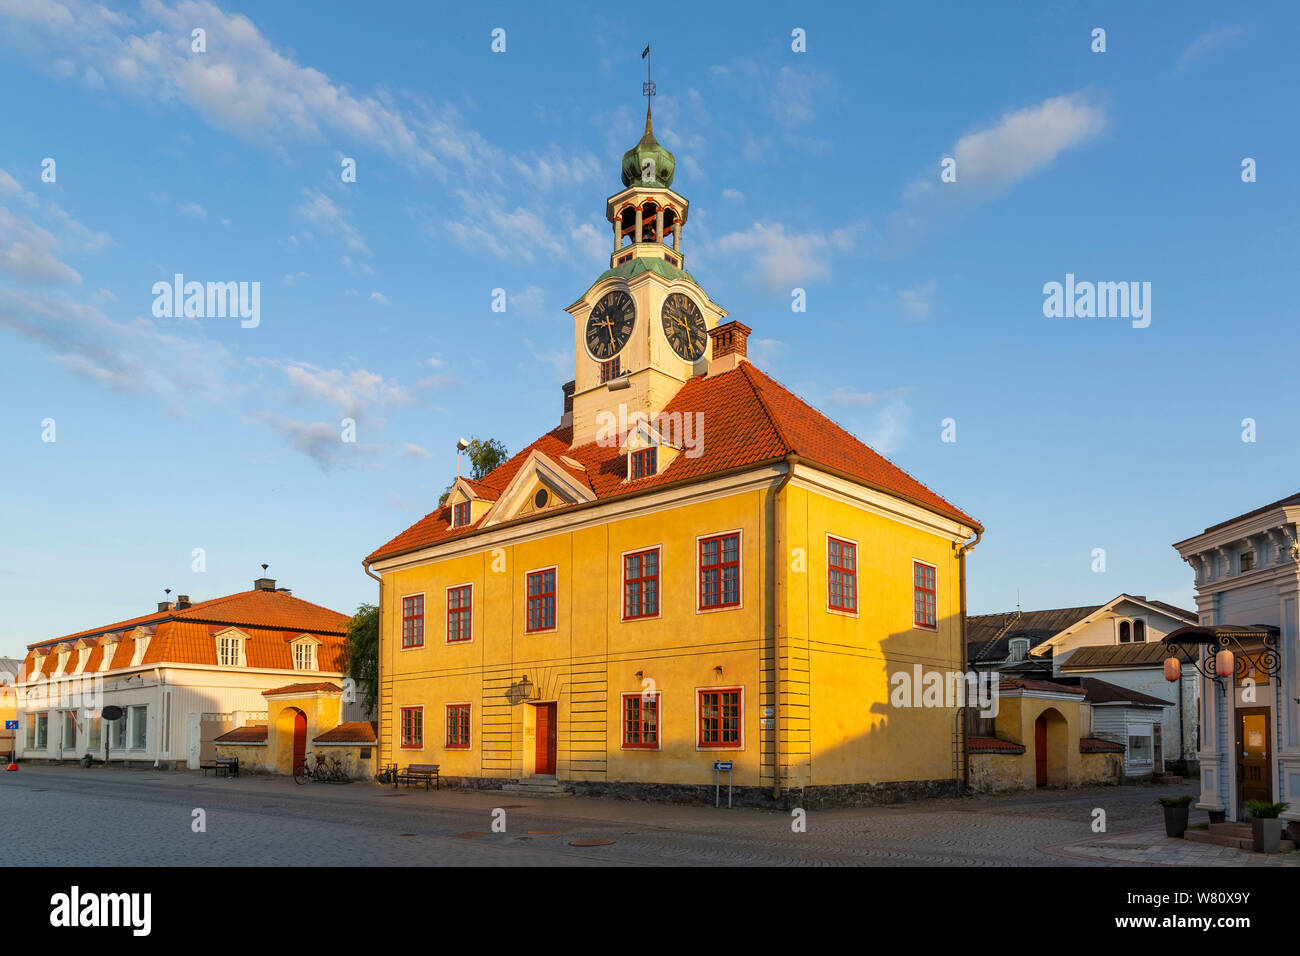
{"type": "Point", "coordinates": [230, 649]}
{"type": "Point", "coordinates": [304, 653]}
{"type": "Point", "coordinates": [1019, 648]}
{"type": "Point", "coordinates": [460, 515]}
{"type": "Point", "coordinates": [1125, 632]}
{"type": "Point", "coordinates": [141, 645]}
{"type": "Point", "coordinates": [644, 463]}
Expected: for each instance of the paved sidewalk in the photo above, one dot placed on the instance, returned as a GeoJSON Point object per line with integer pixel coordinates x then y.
{"type": "Point", "coordinates": [75, 817]}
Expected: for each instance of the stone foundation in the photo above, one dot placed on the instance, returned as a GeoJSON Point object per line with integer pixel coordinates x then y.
{"type": "Point", "coordinates": [808, 798]}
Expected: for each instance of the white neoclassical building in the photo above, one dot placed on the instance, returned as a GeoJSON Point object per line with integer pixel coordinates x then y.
{"type": "Point", "coordinates": [1247, 599]}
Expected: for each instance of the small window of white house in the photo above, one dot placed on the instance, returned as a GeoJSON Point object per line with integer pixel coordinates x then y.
{"type": "Point", "coordinates": [1019, 648]}
{"type": "Point", "coordinates": [1140, 747]}
{"type": "Point", "coordinates": [1125, 632]}
{"type": "Point", "coordinates": [83, 654]}
{"type": "Point", "coordinates": [93, 731]}
{"type": "Point", "coordinates": [62, 666]}
{"type": "Point", "coordinates": [106, 661]}
{"type": "Point", "coordinates": [1139, 632]}
{"type": "Point", "coordinates": [304, 655]}
{"type": "Point", "coordinates": [69, 730]}
{"type": "Point", "coordinates": [230, 650]}
{"type": "Point", "coordinates": [119, 733]}
{"type": "Point", "coordinates": [137, 654]}
{"type": "Point", "coordinates": [42, 734]}
{"type": "Point", "coordinates": [139, 725]}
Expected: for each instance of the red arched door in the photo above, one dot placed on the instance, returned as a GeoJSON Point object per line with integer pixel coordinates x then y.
{"type": "Point", "coordinates": [299, 737]}
{"type": "Point", "coordinates": [1040, 751]}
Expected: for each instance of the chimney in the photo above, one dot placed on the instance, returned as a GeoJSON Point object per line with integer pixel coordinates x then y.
{"type": "Point", "coordinates": [729, 348]}
{"type": "Point", "coordinates": [182, 601]}
{"type": "Point", "coordinates": [166, 605]}
{"type": "Point", "coordinates": [567, 417]}
{"type": "Point", "coordinates": [264, 584]}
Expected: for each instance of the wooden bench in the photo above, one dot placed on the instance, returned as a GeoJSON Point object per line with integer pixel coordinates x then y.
{"type": "Point", "coordinates": [222, 767]}
{"type": "Point", "coordinates": [419, 773]}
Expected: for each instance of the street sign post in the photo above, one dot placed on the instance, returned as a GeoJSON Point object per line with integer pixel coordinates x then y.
{"type": "Point", "coordinates": [718, 767]}
{"type": "Point", "coordinates": [110, 713]}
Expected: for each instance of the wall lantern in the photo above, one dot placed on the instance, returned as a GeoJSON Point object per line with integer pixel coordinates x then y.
{"type": "Point", "coordinates": [718, 670]}
{"type": "Point", "coordinates": [640, 675]}
{"type": "Point", "coordinates": [525, 687]}
{"type": "Point", "coordinates": [1173, 669]}
{"type": "Point", "coordinates": [1225, 665]}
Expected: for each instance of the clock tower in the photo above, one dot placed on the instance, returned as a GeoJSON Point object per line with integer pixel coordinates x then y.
{"type": "Point", "coordinates": [642, 329]}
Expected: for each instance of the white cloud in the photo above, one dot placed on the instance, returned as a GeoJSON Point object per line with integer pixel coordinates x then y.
{"type": "Point", "coordinates": [915, 301]}
{"type": "Point", "coordinates": [352, 393]}
{"type": "Point", "coordinates": [887, 427]}
{"type": "Point", "coordinates": [530, 302]}
{"type": "Point", "coordinates": [324, 213]}
{"type": "Point", "coordinates": [379, 297]}
{"type": "Point", "coordinates": [412, 450]}
{"type": "Point", "coordinates": [733, 195]}
{"type": "Point", "coordinates": [194, 210]}
{"type": "Point", "coordinates": [27, 252]}
{"type": "Point", "coordinates": [784, 260]}
{"type": "Point", "coordinates": [764, 351]}
{"type": "Point", "coordinates": [1209, 41]}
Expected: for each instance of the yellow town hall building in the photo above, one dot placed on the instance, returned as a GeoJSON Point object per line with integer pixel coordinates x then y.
{"type": "Point", "coordinates": [693, 566]}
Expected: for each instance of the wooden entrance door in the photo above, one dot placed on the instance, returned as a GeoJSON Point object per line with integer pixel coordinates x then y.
{"type": "Point", "coordinates": [1254, 775]}
{"type": "Point", "coordinates": [1040, 751]}
{"type": "Point", "coordinates": [545, 762]}
{"type": "Point", "coordinates": [299, 738]}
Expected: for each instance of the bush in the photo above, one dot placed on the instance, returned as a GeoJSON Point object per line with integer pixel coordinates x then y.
{"type": "Point", "coordinates": [1264, 810]}
{"type": "Point", "coordinates": [1177, 802]}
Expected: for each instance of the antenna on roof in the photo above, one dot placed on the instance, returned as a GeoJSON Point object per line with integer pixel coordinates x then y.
{"type": "Point", "coordinates": [167, 590]}
{"type": "Point", "coordinates": [461, 445]}
{"type": "Point", "coordinates": [264, 567]}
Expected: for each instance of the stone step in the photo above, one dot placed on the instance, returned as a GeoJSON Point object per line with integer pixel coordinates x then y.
{"type": "Point", "coordinates": [537, 787]}
{"type": "Point", "coordinates": [1215, 837]}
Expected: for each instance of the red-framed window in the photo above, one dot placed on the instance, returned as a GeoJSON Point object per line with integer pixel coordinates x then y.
{"type": "Point", "coordinates": [412, 728]}
{"type": "Point", "coordinates": [720, 571]}
{"type": "Point", "coordinates": [645, 463]}
{"type": "Point", "coordinates": [924, 608]}
{"type": "Point", "coordinates": [458, 726]}
{"type": "Point", "coordinates": [641, 721]}
{"type": "Point", "coordinates": [842, 575]}
{"type": "Point", "coordinates": [460, 515]}
{"type": "Point", "coordinates": [611, 370]}
{"type": "Point", "coordinates": [720, 717]}
{"type": "Point", "coordinates": [541, 600]}
{"type": "Point", "coordinates": [460, 612]}
{"type": "Point", "coordinates": [641, 584]}
{"type": "Point", "coordinates": [413, 621]}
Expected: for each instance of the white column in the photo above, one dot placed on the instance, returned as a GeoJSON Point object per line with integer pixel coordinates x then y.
{"type": "Point", "coordinates": [618, 239]}
{"type": "Point", "coordinates": [636, 236]}
{"type": "Point", "coordinates": [659, 224]}
{"type": "Point", "coordinates": [677, 236]}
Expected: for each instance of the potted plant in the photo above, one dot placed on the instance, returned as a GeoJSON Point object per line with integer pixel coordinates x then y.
{"type": "Point", "coordinates": [1265, 826]}
{"type": "Point", "coordinates": [1176, 812]}
{"type": "Point", "coordinates": [86, 760]}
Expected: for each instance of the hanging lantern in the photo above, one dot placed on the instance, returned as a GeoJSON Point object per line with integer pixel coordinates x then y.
{"type": "Point", "coordinates": [1173, 669]}
{"type": "Point", "coordinates": [1225, 665]}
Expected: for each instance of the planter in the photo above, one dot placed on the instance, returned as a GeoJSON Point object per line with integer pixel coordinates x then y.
{"type": "Point", "coordinates": [1267, 833]}
{"type": "Point", "coordinates": [86, 761]}
{"type": "Point", "coordinates": [1176, 821]}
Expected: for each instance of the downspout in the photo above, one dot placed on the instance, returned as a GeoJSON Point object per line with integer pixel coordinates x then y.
{"type": "Point", "coordinates": [158, 742]}
{"type": "Point", "coordinates": [961, 579]}
{"type": "Point", "coordinates": [779, 626]}
{"type": "Point", "coordinates": [379, 742]}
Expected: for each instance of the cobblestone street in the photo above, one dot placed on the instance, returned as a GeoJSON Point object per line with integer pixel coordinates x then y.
{"type": "Point", "coordinates": [69, 816]}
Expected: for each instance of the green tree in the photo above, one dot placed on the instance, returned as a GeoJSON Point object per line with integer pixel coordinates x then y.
{"type": "Point", "coordinates": [484, 456]}
{"type": "Point", "coordinates": [363, 654]}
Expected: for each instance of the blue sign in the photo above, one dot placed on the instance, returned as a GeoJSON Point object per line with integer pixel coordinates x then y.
{"type": "Point", "coordinates": [11, 725]}
{"type": "Point", "coordinates": [722, 765]}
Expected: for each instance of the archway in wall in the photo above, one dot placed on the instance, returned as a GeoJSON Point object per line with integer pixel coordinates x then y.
{"type": "Point", "coordinates": [1051, 749]}
{"type": "Point", "coordinates": [291, 739]}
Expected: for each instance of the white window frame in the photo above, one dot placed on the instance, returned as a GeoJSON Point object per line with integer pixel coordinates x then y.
{"type": "Point", "coordinates": [139, 718]}
{"type": "Point", "coordinates": [312, 645]}
{"type": "Point", "coordinates": [241, 641]}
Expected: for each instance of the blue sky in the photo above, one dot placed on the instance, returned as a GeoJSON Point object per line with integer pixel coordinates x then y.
{"type": "Point", "coordinates": [479, 170]}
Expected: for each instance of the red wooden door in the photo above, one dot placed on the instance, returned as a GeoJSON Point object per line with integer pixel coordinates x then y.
{"type": "Point", "coordinates": [1040, 751]}
{"type": "Point", "coordinates": [299, 737]}
{"type": "Point", "coordinates": [545, 739]}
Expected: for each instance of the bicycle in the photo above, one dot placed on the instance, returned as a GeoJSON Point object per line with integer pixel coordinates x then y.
{"type": "Point", "coordinates": [332, 771]}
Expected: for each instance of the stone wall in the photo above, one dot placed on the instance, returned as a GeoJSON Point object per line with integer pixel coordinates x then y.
{"type": "Point", "coordinates": [997, 773]}
{"type": "Point", "coordinates": [1102, 769]}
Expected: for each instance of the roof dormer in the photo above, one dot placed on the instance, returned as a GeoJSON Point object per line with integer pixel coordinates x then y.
{"type": "Point", "coordinates": [469, 501]}
{"type": "Point", "coordinates": [542, 482]}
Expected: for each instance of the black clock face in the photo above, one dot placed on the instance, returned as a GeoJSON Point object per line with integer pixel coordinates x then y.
{"type": "Point", "coordinates": [684, 326]}
{"type": "Point", "coordinates": [610, 325]}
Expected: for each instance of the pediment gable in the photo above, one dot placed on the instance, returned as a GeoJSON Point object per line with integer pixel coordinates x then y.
{"type": "Point", "coordinates": [540, 472]}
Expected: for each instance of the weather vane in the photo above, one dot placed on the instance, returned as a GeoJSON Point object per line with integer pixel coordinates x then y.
{"type": "Point", "coordinates": [648, 87]}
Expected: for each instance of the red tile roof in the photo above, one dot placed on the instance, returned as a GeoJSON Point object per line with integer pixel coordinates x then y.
{"type": "Point", "coordinates": [270, 619]}
{"type": "Point", "coordinates": [302, 689]}
{"type": "Point", "coordinates": [748, 418]}
{"type": "Point", "coordinates": [993, 745]}
{"type": "Point", "coordinates": [353, 732]}
{"type": "Point", "coordinates": [1095, 745]}
{"type": "Point", "coordinates": [1022, 683]}
{"type": "Point", "coordinates": [243, 735]}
